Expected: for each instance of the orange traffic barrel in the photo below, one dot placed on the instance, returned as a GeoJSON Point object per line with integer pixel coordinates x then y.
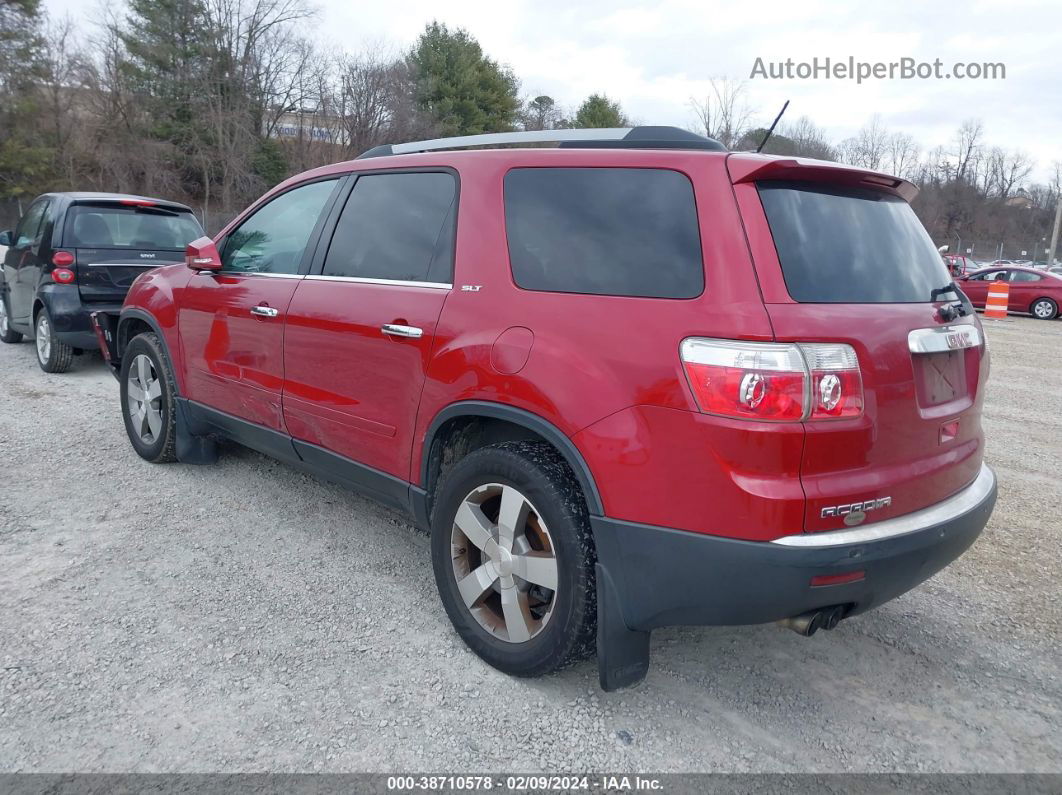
{"type": "Point", "coordinates": [998, 299]}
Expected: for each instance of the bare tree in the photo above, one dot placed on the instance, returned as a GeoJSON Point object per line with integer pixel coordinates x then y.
{"type": "Point", "coordinates": [902, 155]}
{"type": "Point", "coordinates": [869, 147]}
{"type": "Point", "coordinates": [967, 151]}
{"type": "Point", "coordinates": [1005, 171]}
{"type": "Point", "coordinates": [724, 113]}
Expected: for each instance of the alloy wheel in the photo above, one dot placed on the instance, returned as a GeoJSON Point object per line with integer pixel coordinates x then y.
{"type": "Point", "coordinates": [44, 337]}
{"type": "Point", "coordinates": [4, 327]}
{"type": "Point", "coordinates": [144, 390]}
{"type": "Point", "coordinates": [1043, 310]}
{"type": "Point", "coordinates": [504, 562]}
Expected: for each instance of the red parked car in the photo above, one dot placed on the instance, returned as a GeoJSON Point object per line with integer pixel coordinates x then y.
{"type": "Point", "coordinates": [629, 382]}
{"type": "Point", "coordinates": [1032, 291]}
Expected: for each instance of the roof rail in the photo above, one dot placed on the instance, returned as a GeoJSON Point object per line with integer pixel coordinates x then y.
{"type": "Point", "coordinates": [603, 138]}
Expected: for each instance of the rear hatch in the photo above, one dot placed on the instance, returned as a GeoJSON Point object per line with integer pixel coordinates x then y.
{"type": "Point", "coordinates": [114, 241]}
{"type": "Point", "coordinates": [842, 258]}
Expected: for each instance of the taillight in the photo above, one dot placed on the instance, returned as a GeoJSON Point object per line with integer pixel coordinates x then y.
{"type": "Point", "coordinates": [63, 259]}
{"type": "Point", "coordinates": [63, 276]}
{"type": "Point", "coordinates": [773, 381]}
{"type": "Point", "coordinates": [836, 386]}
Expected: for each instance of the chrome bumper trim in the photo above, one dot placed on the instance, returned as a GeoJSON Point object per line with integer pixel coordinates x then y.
{"type": "Point", "coordinates": [951, 508]}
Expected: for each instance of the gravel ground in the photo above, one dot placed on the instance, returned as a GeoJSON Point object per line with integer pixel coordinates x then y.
{"type": "Point", "coordinates": [248, 617]}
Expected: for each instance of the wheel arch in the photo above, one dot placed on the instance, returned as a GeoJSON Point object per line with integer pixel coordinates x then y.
{"type": "Point", "coordinates": [495, 422]}
{"type": "Point", "coordinates": [136, 321]}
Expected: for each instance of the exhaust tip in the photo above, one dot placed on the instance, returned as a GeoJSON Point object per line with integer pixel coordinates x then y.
{"type": "Point", "coordinates": [831, 618]}
{"type": "Point", "coordinates": [807, 624]}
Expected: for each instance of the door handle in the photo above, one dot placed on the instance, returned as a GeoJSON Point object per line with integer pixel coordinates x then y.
{"type": "Point", "coordinates": [265, 311]}
{"type": "Point", "coordinates": [391, 329]}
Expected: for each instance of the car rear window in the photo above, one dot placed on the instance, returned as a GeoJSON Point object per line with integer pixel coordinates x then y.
{"type": "Point", "coordinates": [851, 246]}
{"type": "Point", "coordinates": [604, 231]}
{"type": "Point", "coordinates": [119, 226]}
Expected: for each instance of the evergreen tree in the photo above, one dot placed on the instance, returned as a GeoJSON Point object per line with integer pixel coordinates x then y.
{"type": "Point", "coordinates": [599, 111]}
{"type": "Point", "coordinates": [461, 88]}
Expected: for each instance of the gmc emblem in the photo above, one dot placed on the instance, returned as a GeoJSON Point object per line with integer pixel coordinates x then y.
{"type": "Point", "coordinates": [958, 339]}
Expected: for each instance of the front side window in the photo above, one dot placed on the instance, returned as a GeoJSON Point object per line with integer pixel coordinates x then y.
{"type": "Point", "coordinates": [397, 227]}
{"type": "Point", "coordinates": [122, 226]}
{"type": "Point", "coordinates": [604, 231]}
{"type": "Point", "coordinates": [851, 245]}
{"type": "Point", "coordinates": [274, 238]}
{"type": "Point", "coordinates": [30, 225]}
{"type": "Point", "coordinates": [990, 276]}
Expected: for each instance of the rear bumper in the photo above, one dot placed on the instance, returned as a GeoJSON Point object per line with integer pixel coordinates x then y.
{"type": "Point", "coordinates": [70, 316]}
{"type": "Point", "coordinates": [663, 577]}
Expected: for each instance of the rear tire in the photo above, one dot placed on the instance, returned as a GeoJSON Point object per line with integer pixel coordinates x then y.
{"type": "Point", "coordinates": [517, 624]}
{"type": "Point", "coordinates": [7, 334]}
{"type": "Point", "coordinates": [1044, 309]}
{"type": "Point", "coordinates": [148, 391]}
{"type": "Point", "coordinates": [53, 355]}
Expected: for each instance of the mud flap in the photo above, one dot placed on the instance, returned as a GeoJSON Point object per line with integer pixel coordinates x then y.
{"type": "Point", "coordinates": [622, 653]}
{"type": "Point", "coordinates": [190, 448]}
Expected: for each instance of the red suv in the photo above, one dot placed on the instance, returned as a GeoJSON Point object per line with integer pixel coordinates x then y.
{"type": "Point", "coordinates": [631, 381]}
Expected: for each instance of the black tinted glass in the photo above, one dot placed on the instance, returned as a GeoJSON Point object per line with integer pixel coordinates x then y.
{"type": "Point", "coordinates": [396, 226]}
{"type": "Point", "coordinates": [605, 231]}
{"type": "Point", "coordinates": [272, 240]}
{"type": "Point", "coordinates": [850, 245]}
{"type": "Point", "coordinates": [116, 226]}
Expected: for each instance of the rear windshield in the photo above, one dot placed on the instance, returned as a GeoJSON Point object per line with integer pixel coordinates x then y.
{"type": "Point", "coordinates": [116, 226]}
{"type": "Point", "coordinates": [851, 246]}
{"type": "Point", "coordinates": [604, 231]}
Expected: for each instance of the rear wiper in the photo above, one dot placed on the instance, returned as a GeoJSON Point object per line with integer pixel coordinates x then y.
{"type": "Point", "coordinates": [949, 312]}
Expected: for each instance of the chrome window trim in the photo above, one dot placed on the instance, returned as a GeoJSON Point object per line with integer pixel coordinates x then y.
{"type": "Point", "coordinates": [162, 264]}
{"type": "Point", "coordinates": [392, 282]}
{"type": "Point", "coordinates": [945, 511]}
{"type": "Point", "coordinates": [941, 339]}
{"type": "Point", "coordinates": [253, 273]}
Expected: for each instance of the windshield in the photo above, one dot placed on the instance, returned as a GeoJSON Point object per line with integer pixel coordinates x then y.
{"type": "Point", "coordinates": [850, 245]}
{"type": "Point", "coordinates": [119, 226]}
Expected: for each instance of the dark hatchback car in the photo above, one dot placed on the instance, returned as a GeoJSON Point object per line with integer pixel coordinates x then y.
{"type": "Point", "coordinates": [75, 253]}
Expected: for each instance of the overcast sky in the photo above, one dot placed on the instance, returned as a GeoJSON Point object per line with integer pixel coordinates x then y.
{"type": "Point", "coordinates": [654, 56]}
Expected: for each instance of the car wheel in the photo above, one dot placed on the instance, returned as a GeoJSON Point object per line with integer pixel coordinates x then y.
{"type": "Point", "coordinates": [1044, 309]}
{"type": "Point", "coordinates": [53, 355]}
{"type": "Point", "coordinates": [514, 558]}
{"type": "Point", "coordinates": [7, 334]}
{"type": "Point", "coordinates": [147, 389]}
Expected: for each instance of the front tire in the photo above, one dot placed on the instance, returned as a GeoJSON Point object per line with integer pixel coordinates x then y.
{"type": "Point", "coordinates": [53, 355]}
{"type": "Point", "coordinates": [514, 558]}
{"type": "Point", "coordinates": [7, 334]}
{"type": "Point", "coordinates": [1044, 309]}
{"type": "Point", "coordinates": [147, 389]}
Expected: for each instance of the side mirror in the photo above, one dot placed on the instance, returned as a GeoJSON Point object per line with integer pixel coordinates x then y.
{"type": "Point", "coordinates": [5, 237]}
{"type": "Point", "coordinates": [202, 255]}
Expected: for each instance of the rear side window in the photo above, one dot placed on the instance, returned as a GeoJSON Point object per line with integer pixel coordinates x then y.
{"type": "Point", "coordinates": [397, 227]}
{"type": "Point", "coordinates": [604, 231]}
{"type": "Point", "coordinates": [120, 226]}
{"type": "Point", "coordinates": [1024, 276]}
{"type": "Point", "coordinates": [851, 246]}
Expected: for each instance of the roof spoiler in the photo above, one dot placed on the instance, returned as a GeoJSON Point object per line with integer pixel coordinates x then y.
{"type": "Point", "coordinates": [602, 138]}
{"type": "Point", "coordinates": [754, 168]}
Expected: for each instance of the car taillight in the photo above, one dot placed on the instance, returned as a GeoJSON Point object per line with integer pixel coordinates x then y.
{"type": "Point", "coordinates": [63, 276]}
{"type": "Point", "coordinates": [773, 381]}
{"type": "Point", "coordinates": [63, 259]}
{"type": "Point", "coordinates": [836, 386]}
